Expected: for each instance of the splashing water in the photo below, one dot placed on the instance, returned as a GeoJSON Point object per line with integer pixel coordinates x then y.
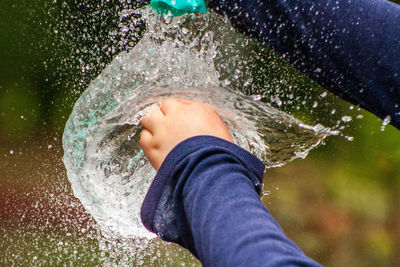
{"type": "Point", "coordinates": [194, 57]}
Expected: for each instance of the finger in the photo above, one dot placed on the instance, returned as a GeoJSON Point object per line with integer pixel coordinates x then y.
{"type": "Point", "coordinates": [153, 119]}
{"type": "Point", "coordinates": [169, 104]}
{"type": "Point", "coordinates": [145, 140]}
{"type": "Point", "coordinates": [184, 101]}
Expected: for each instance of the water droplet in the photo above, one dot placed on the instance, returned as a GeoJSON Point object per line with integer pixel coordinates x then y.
{"type": "Point", "coordinates": [346, 118]}
{"type": "Point", "coordinates": [161, 235]}
{"type": "Point", "coordinates": [256, 97]}
{"type": "Point", "coordinates": [385, 122]}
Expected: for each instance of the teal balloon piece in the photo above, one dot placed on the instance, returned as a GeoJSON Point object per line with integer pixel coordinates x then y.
{"type": "Point", "coordinates": [178, 7]}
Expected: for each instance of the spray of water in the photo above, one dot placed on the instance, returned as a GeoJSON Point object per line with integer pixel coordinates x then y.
{"type": "Point", "coordinates": [186, 57]}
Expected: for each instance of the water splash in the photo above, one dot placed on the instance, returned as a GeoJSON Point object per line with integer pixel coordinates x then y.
{"type": "Point", "coordinates": [195, 57]}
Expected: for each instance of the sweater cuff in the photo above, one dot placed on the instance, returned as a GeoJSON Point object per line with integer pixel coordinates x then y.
{"type": "Point", "coordinates": [158, 211]}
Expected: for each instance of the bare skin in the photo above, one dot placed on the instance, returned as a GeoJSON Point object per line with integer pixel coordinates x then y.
{"type": "Point", "coordinates": [175, 121]}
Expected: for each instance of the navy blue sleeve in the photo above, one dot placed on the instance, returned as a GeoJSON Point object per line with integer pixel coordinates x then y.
{"type": "Point", "coordinates": [205, 197]}
{"type": "Point", "coordinates": [350, 47]}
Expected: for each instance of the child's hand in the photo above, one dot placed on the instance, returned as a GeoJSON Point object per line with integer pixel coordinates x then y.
{"type": "Point", "coordinates": [175, 121]}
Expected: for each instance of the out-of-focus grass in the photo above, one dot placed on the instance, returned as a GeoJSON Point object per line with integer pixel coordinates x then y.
{"type": "Point", "coordinates": [341, 204]}
{"type": "Point", "coordinates": [28, 246]}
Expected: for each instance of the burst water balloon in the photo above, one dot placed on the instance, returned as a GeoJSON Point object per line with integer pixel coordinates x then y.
{"type": "Point", "coordinates": [177, 57]}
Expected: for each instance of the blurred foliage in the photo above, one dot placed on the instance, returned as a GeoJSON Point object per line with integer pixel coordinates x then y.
{"type": "Point", "coordinates": [341, 204]}
{"type": "Point", "coordinates": [52, 50]}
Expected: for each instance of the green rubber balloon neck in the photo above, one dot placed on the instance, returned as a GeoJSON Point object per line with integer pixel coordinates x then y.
{"type": "Point", "coordinates": [178, 7]}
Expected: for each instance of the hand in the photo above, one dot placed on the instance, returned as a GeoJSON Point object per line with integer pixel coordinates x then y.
{"type": "Point", "coordinates": [175, 121]}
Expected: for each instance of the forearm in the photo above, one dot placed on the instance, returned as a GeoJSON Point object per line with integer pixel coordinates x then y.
{"type": "Point", "coordinates": [349, 47]}
{"type": "Point", "coordinates": [230, 225]}
{"type": "Point", "coordinates": [205, 198]}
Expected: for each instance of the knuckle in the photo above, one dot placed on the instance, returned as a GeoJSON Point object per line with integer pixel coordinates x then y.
{"type": "Point", "coordinates": [166, 102]}
{"type": "Point", "coordinates": [144, 140]}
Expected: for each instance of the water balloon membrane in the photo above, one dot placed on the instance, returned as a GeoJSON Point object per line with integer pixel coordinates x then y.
{"type": "Point", "coordinates": [106, 167]}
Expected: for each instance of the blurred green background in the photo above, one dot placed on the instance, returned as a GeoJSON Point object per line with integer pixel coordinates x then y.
{"type": "Point", "coordinates": [341, 204]}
